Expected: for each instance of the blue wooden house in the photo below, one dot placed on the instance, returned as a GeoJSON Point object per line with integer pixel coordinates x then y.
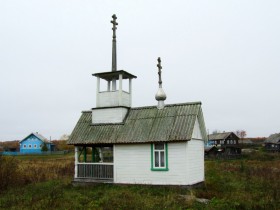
{"type": "Point", "coordinates": [33, 143]}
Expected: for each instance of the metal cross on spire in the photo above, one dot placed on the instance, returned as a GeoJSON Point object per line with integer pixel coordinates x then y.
{"type": "Point", "coordinates": [159, 71]}
{"type": "Point", "coordinates": [160, 95]}
{"type": "Point", "coordinates": [114, 22]}
{"type": "Point", "coordinates": [114, 47]}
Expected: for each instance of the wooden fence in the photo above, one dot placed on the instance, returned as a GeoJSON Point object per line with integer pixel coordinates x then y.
{"type": "Point", "coordinates": [35, 153]}
{"type": "Point", "coordinates": [96, 170]}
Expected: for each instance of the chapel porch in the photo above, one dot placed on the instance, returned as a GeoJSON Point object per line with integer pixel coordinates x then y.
{"type": "Point", "coordinates": [94, 164]}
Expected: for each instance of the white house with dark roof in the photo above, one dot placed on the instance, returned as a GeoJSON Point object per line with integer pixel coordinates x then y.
{"type": "Point", "coordinates": [157, 145]}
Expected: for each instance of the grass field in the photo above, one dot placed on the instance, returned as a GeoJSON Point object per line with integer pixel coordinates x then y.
{"type": "Point", "coordinates": [45, 183]}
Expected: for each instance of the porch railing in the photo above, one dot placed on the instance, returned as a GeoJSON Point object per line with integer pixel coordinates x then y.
{"type": "Point", "coordinates": [95, 170]}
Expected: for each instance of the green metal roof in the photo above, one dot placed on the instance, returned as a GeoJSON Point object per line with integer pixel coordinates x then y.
{"type": "Point", "coordinates": [143, 124]}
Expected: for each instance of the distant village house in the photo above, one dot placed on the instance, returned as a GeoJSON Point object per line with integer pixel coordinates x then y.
{"type": "Point", "coordinates": [272, 143]}
{"type": "Point", "coordinates": [34, 143]}
{"type": "Point", "coordinates": [227, 141]}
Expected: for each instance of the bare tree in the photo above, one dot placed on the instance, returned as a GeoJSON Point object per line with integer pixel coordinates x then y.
{"type": "Point", "coordinates": [216, 131]}
{"type": "Point", "coordinates": [64, 137]}
{"type": "Point", "coordinates": [241, 134]}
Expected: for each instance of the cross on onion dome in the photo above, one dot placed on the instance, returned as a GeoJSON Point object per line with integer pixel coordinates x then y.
{"type": "Point", "coordinates": [114, 22]}
{"type": "Point", "coordinates": [159, 70]}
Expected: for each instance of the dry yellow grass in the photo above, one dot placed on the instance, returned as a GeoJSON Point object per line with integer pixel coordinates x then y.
{"type": "Point", "coordinates": [45, 169]}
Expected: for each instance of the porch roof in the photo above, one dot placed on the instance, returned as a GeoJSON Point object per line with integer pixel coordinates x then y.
{"type": "Point", "coordinates": [142, 125]}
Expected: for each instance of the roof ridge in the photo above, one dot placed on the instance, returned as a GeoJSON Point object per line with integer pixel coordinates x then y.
{"type": "Point", "coordinates": [169, 105]}
{"type": "Point", "coordinates": [154, 106]}
{"type": "Point", "coordinates": [38, 135]}
{"type": "Point", "coordinates": [221, 133]}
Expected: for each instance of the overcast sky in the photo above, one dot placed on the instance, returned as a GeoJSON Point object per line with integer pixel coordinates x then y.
{"type": "Point", "coordinates": [225, 54]}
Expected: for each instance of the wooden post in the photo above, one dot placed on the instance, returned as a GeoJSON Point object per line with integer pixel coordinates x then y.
{"type": "Point", "coordinates": [100, 154]}
{"type": "Point", "coordinates": [109, 86]}
{"type": "Point", "coordinates": [130, 91]}
{"type": "Point", "coordinates": [76, 162]}
{"type": "Point", "coordinates": [85, 154]}
{"type": "Point", "coordinates": [114, 165]}
{"type": "Point", "coordinates": [120, 89]}
{"type": "Point", "coordinates": [92, 154]}
{"type": "Point", "coordinates": [97, 91]}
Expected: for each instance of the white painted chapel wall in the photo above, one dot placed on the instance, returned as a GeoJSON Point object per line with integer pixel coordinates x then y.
{"type": "Point", "coordinates": [109, 115]}
{"type": "Point", "coordinates": [196, 131]}
{"type": "Point", "coordinates": [195, 161]}
{"type": "Point", "coordinates": [195, 157]}
{"type": "Point", "coordinates": [132, 164]}
{"type": "Point", "coordinates": [112, 98]}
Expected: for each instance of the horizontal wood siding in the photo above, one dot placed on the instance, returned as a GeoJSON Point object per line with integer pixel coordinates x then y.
{"type": "Point", "coordinates": [195, 161]}
{"type": "Point", "coordinates": [133, 165]}
{"type": "Point", "coordinates": [108, 99]}
{"type": "Point", "coordinates": [196, 130]}
{"type": "Point", "coordinates": [109, 115]}
{"type": "Point", "coordinates": [32, 145]}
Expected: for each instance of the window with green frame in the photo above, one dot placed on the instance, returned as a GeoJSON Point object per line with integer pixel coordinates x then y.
{"type": "Point", "coordinates": [159, 157]}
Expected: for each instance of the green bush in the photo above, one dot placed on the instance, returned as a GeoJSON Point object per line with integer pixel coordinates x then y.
{"type": "Point", "coordinates": [44, 147]}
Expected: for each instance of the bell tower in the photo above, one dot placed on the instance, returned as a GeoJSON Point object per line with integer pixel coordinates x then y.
{"type": "Point", "coordinates": [112, 105]}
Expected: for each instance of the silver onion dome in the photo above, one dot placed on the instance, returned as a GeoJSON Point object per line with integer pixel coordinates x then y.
{"type": "Point", "coordinates": [160, 95]}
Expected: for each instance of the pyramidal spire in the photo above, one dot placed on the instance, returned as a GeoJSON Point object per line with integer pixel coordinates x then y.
{"type": "Point", "coordinates": [160, 95]}
{"type": "Point", "coordinates": [114, 46]}
{"type": "Point", "coordinates": [114, 50]}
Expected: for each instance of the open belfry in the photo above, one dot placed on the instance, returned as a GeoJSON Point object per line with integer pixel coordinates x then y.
{"type": "Point", "coordinates": [156, 145]}
{"type": "Point", "coordinates": [112, 105]}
